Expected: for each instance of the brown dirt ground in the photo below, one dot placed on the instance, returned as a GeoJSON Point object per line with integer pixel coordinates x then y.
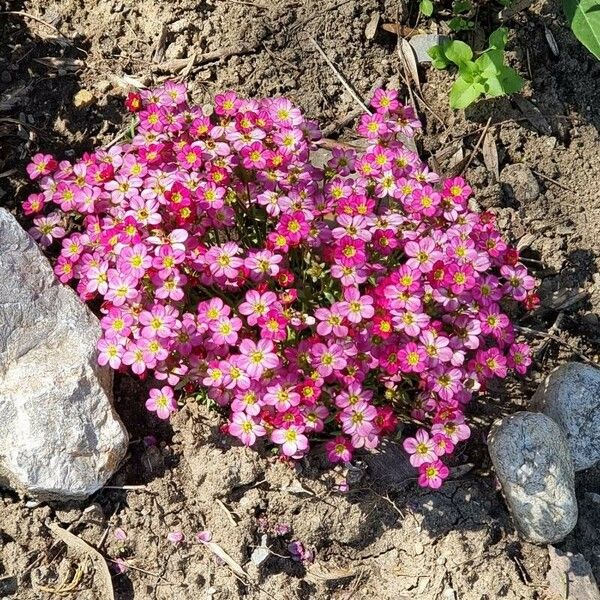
{"type": "Point", "coordinates": [386, 538]}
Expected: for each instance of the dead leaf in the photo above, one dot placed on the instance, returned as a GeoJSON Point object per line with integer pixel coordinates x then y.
{"type": "Point", "coordinates": [77, 544]}
{"type": "Point", "coordinates": [317, 573]}
{"type": "Point", "coordinates": [232, 564]}
{"type": "Point", "coordinates": [516, 7]}
{"type": "Point", "coordinates": [127, 81]}
{"type": "Point", "coordinates": [407, 55]}
{"type": "Point", "coordinates": [83, 99]}
{"type": "Point", "coordinates": [526, 241]}
{"type": "Point", "coordinates": [551, 41]}
{"type": "Point", "coordinates": [61, 63]}
{"type": "Point", "coordinates": [490, 155]}
{"type": "Point", "coordinates": [371, 28]}
{"type": "Point", "coordinates": [397, 29]}
{"type": "Point", "coordinates": [533, 115]}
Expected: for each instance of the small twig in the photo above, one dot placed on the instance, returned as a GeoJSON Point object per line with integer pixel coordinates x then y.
{"type": "Point", "coordinates": [278, 58]}
{"type": "Point", "coordinates": [479, 142]}
{"type": "Point", "coordinates": [126, 487]}
{"type": "Point", "coordinates": [129, 566]}
{"type": "Point", "coordinates": [8, 173]}
{"type": "Point", "coordinates": [226, 510]}
{"type": "Point", "coordinates": [341, 122]}
{"type": "Point", "coordinates": [341, 79]}
{"type": "Point", "coordinates": [559, 341]}
{"type": "Point", "coordinates": [19, 13]}
{"type": "Point", "coordinates": [118, 138]}
{"type": "Point", "coordinates": [557, 183]}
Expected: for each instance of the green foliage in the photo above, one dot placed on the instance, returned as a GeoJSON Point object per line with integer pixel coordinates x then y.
{"type": "Point", "coordinates": [426, 7]}
{"type": "Point", "coordinates": [486, 75]}
{"type": "Point", "coordinates": [584, 19]}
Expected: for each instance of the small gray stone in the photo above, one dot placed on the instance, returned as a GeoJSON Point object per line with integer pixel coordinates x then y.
{"type": "Point", "coordinates": [570, 395]}
{"type": "Point", "coordinates": [572, 573]}
{"type": "Point", "coordinates": [520, 182]}
{"type": "Point", "coordinates": [533, 463]}
{"type": "Point", "coordinates": [60, 437]}
{"type": "Point", "coordinates": [421, 44]}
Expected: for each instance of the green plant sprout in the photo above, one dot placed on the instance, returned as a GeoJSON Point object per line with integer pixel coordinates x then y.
{"type": "Point", "coordinates": [486, 75]}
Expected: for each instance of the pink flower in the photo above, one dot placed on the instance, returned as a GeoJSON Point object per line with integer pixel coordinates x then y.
{"type": "Point", "coordinates": [256, 357]}
{"type": "Point", "coordinates": [327, 359]}
{"type": "Point", "coordinates": [162, 402]}
{"type": "Point", "coordinates": [256, 305]}
{"type": "Point", "coordinates": [421, 449]}
{"type": "Point", "coordinates": [339, 450]}
{"type": "Point", "coordinates": [245, 428]}
{"type": "Point", "coordinates": [41, 164]}
{"type": "Point", "coordinates": [291, 439]}
{"type": "Point", "coordinates": [358, 419]}
{"type": "Point", "coordinates": [432, 474]}
{"type": "Point", "coordinates": [356, 307]}
{"type": "Point", "coordinates": [110, 352]}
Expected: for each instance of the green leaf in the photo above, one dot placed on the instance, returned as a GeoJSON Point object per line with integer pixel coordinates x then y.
{"type": "Point", "coordinates": [584, 19]}
{"type": "Point", "coordinates": [461, 6]}
{"type": "Point", "coordinates": [460, 24]}
{"type": "Point", "coordinates": [490, 63]}
{"type": "Point", "coordinates": [464, 93]}
{"type": "Point", "coordinates": [493, 86]}
{"type": "Point", "coordinates": [438, 57]}
{"type": "Point", "coordinates": [458, 52]}
{"type": "Point", "coordinates": [511, 81]}
{"type": "Point", "coordinates": [426, 7]}
{"type": "Point", "coordinates": [499, 38]}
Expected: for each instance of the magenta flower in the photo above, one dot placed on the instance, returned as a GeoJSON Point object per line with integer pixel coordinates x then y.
{"type": "Point", "coordinates": [291, 439]}
{"type": "Point", "coordinates": [162, 402]}
{"type": "Point", "coordinates": [356, 307]}
{"type": "Point", "coordinates": [246, 428]}
{"type": "Point", "coordinates": [256, 357]}
{"type": "Point", "coordinates": [339, 449]}
{"type": "Point", "coordinates": [432, 474]}
{"type": "Point", "coordinates": [421, 448]}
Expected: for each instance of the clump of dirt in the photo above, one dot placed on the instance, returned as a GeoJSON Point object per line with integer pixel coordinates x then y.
{"type": "Point", "coordinates": [385, 537]}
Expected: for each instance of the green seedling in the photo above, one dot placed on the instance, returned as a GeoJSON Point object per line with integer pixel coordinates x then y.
{"type": "Point", "coordinates": [486, 75]}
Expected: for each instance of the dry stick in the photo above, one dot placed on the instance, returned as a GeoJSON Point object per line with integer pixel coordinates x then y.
{"type": "Point", "coordinates": [126, 487]}
{"type": "Point", "coordinates": [479, 142]}
{"type": "Point", "coordinates": [140, 570]}
{"type": "Point", "coordinates": [33, 18]}
{"type": "Point", "coordinates": [560, 185]}
{"type": "Point", "coordinates": [342, 122]}
{"type": "Point", "coordinates": [278, 58]}
{"type": "Point", "coordinates": [559, 341]}
{"type": "Point", "coordinates": [339, 75]}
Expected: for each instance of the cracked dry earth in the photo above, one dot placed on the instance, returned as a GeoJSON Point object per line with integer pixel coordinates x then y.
{"type": "Point", "coordinates": [386, 538]}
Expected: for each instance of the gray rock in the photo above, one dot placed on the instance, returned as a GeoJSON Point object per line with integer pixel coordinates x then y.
{"type": "Point", "coordinates": [571, 573]}
{"type": "Point", "coordinates": [60, 437]}
{"type": "Point", "coordinates": [570, 395]}
{"type": "Point", "coordinates": [422, 43]}
{"type": "Point", "coordinates": [533, 463]}
{"type": "Point", "coordinates": [520, 182]}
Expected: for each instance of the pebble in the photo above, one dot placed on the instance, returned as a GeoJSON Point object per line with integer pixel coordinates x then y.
{"type": "Point", "coordinates": [533, 463]}
{"type": "Point", "coordinates": [570, 396]}
{"type": "Point", "coordinates": [520, 181]}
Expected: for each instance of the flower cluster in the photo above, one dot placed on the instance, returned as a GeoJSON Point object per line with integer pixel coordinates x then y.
{"type": "Point", "coordinates": [303, 301]}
